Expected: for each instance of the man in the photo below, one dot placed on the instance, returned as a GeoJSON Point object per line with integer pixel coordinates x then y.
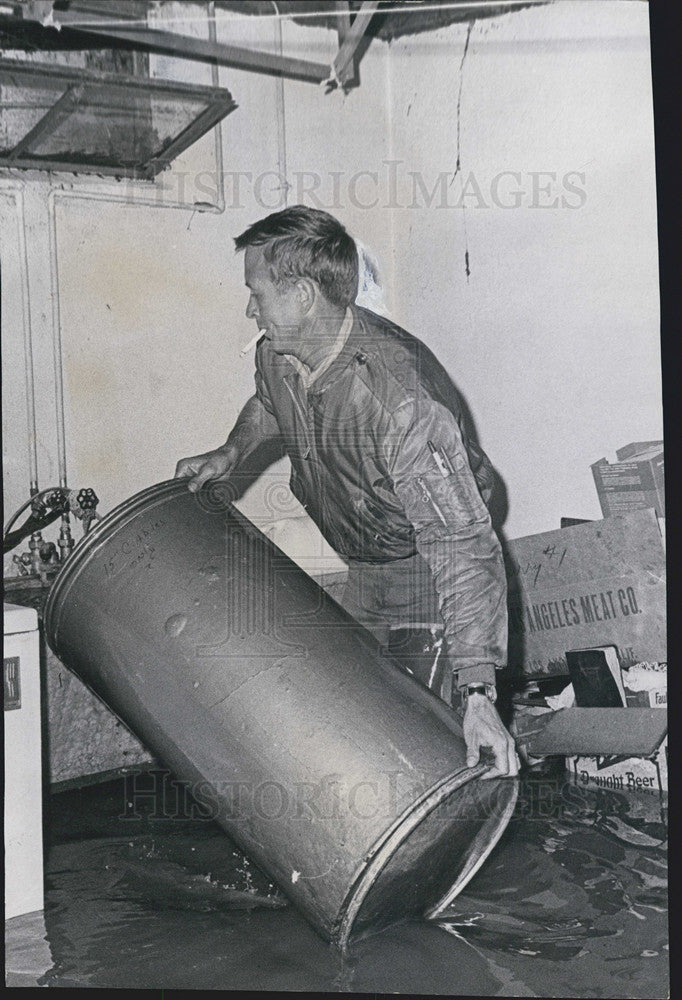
{"type": "Point", "coordinates": [380, 460]}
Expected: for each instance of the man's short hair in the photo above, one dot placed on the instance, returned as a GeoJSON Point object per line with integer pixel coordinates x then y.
{"type": "Point", "coordinates": [301, 242]}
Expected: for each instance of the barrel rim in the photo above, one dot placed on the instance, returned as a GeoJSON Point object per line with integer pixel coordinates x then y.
{"type": "Point", "coordinates": [89, 543]}
{"type": "Point", "coordinates": [397, 833]}
{"type": "Point", "coordinates": [472, 864]}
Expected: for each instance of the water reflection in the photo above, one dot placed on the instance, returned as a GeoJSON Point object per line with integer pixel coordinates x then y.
{"type": "Point", "coordinates": [572, 903]}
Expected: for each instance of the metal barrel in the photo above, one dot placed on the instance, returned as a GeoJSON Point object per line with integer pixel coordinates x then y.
{"type": "Point", "coordinates": [336, 772]}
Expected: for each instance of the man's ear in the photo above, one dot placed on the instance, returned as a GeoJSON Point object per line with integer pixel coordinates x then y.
{"type": "Point", "coordinates": [307, 293]}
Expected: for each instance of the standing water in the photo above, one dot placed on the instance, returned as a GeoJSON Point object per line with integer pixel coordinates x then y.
{"type": "Point", "coordinates": [571, 903]}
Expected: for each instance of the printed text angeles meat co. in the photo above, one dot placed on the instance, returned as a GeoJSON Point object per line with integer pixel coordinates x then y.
{"type": "Point", "coordinates": [581, 609]}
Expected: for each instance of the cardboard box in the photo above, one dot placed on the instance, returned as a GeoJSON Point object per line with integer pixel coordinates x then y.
{"type": "Point", "coordinates": [654, 698]}
{"type": "Point", "coordinates": [624, 774]}
{"type": "Point", "coordinates": [634, 482]}
{"type": "Point", "coordinates": [602, 583]}
{"type": "Point", "coordinates": [646, 685]}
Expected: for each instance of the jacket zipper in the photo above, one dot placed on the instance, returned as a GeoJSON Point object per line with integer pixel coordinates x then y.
{"type": "Point", "coordinates": [310, 450]}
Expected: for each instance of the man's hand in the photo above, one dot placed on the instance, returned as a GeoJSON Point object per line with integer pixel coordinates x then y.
{"type": "Point", "coordinates": [483, 728]}
{"type": "Point", "coordinates": [207, 467]}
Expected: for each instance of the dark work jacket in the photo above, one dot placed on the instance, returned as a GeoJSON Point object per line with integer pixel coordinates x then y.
{"type": "Point", "coordinates": [363, 470]}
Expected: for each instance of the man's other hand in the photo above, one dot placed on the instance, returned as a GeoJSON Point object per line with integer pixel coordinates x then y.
{"type": "Point", "coordinates": [484, 728]}
{"type": "Point", "coordinates": [205, 468]}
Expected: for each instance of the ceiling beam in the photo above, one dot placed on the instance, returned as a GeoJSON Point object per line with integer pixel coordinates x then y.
{"type": "Point", "coordinates": [343, 23]}
{"type": "Point", "coordinates": [352, 39]}
{"type": "Point", "coordinates": [205, 50]}
{"type": "Point", "coordinates": [342, 72]}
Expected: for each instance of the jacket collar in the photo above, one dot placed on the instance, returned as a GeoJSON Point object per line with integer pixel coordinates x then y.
{"type": "Point", "coordinates": [309, 377]}
{"type": "Point", "coordinates": [355, 349]}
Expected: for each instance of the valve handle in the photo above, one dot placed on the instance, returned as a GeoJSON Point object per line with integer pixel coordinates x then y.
{"type": "Point", "coordinates": [87, 499]}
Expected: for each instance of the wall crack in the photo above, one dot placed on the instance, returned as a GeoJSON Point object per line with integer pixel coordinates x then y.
{"type": "Point", "coordinates": [458, 164]}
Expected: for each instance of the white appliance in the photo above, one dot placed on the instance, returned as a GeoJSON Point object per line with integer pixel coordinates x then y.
{"type": "Point", "coordinates": [23, 769]}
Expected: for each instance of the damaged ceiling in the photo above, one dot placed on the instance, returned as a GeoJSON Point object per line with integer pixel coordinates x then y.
{"type": "Point", "coordinates": [391, 19]}
{"type": "Point", "coordinates": [103, 112]}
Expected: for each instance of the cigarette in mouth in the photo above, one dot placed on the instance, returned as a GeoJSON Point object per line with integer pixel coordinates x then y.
{"type": "Point", "coordinates": [252, 343]}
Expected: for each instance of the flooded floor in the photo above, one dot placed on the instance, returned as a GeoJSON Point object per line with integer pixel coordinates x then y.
{"type": "Point", "coordinates": [572, 903]}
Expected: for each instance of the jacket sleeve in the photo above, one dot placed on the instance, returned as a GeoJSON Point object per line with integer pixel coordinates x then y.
{"type": "Point", "coordinates": [262, 393]}
{"type": "Point", "coordinates": [257, 422]}
{"type": "Point", "coordinates": [454, 534]}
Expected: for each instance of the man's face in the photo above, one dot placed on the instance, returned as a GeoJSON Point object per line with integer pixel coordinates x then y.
{"type": "Point", "coordinates": [276, 310]}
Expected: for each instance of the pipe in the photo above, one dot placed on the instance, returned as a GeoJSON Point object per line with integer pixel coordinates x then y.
{"type": "Point", "coordinates": [16, 190]}
{"type": "Point", "coordinates": [215, 79]}
{"type": "Point", "coordinates": [29, 374]}
{"type": "Point", "coordinates": [17, 513]}
{"type": "Point", "coordinates": [280, 114]}
{"type": "Point", "coordinates": [28, 355]}
{"type": "Point", "coordinates": [57, 354]}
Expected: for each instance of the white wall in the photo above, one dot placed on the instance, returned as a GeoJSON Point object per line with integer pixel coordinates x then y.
{"type": "Point", "coordinates": [554, 335]}
{"type": "Point", "coordinates": [151, 297]}
{"type": "Point", "coordinates": [553, 338]}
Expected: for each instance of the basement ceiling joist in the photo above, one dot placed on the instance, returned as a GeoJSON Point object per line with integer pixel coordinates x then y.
{"type": "Point", "coordinates": [111, 23]}
{"type": "Point", "coordinates": [393, 19]}
{"type": "Point", "coordinates": [91, 21]}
